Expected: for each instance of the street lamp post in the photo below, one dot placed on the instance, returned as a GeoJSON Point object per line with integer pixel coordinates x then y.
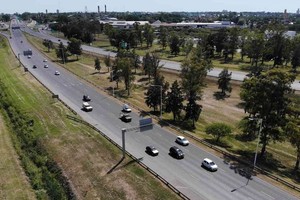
{"type": "Point", "coordinates": [160, 98]}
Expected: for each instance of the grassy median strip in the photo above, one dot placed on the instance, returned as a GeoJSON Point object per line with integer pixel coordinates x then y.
{"type": "Point", "coordinates": [63, 156]}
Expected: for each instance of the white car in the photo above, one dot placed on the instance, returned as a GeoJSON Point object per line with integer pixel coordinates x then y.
{"type": "Point", "coordinates": [45, 66]}
{"type": "Point", "coordinates": [57, 73]}
{"type": "Point", "coordinates": [29, 56]}
{"type": "Point", "coordinates": [126, 108]}
{"type": "Point", "coordinates": [209, 164]}
{"type": "Point", "coordinates": [86, 106]}
{"type": "Point", "coordinates": [44, 60]}
{"type": "Point", "coordinates": [182, 140]}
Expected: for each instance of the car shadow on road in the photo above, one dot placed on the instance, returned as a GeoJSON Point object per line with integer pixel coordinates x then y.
{"type": "Point", "coordinates": [239, 168]}
{"type": "Point", "coordinates": [118, 166]}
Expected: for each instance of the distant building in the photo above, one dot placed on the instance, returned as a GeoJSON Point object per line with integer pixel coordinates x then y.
{"type": "Point", "coordinates": [3, 26]}
{"type": "Point", "coordinates": [298, 11]}
{"type": "Point", "coordinates": [121, 24]}
{"type": "Point", "coordinates": [212, 25]}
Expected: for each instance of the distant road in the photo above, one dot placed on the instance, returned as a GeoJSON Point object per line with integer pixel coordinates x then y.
{"type": "Point", "coordinates": [172, 65]}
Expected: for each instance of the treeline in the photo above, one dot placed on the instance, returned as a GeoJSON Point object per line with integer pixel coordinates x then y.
{"type": "Point", "coordinates": [45, 175]}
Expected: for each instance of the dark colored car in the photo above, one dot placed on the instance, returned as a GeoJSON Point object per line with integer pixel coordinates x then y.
{"type": "Point", "coordinates": [34, 66]}
{"type": "Point", "coordinates": [125, 117]}
{"type": "Point", "coordinates": [86, 98]}
{"type": "Point", "coordinates": [152, 150]}
{"type": "Point", "coordinates": [176, 152]}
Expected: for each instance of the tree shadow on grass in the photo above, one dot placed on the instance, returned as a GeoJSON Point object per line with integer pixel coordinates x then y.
{"type": "Point", "coordinates": [294, 175]}
{"type": "Point", "coordinates": [220, 95]}
{"type": "Point", "coordinates": [182, 124]}
{"type": "Point", "coordinates": [220, 143]}
{"type": "Point", "coordinates": [118, 166]}
{"type": "Point", "coordinates": [267, 161]}
{"type": "Point", "coordinates": [143, 79]}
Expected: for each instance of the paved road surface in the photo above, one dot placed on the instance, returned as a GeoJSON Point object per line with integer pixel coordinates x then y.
{"type": "Point", "coordinates": [186, 175]}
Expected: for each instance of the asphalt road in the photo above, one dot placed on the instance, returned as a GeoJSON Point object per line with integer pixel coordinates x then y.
{"type": "Point", "coordinates": [186, 175]}
{"type": "Point", "coordinates": [236, 75]}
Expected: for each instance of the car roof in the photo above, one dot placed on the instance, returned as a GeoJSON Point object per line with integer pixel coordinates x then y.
{"type": "Point", "coordinates": [207, 160]}
{"type": "Point", "coordinates": [180, 137]}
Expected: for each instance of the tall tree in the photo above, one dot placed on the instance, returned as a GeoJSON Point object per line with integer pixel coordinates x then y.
{"type": "Point", "coordinates": [255, 47]}
{"type": "Point", "coordinates": [139, 33]}
{"type": "Point", "coordinates": [163, 37]}
{"type": "Point", "coordinates": [174, 100]}
{"type": "Point", "coordinates": [107, 62]}
{"type": "Point", "coordinates": [292, 129]}
{"type": "Point", "coordinates": [188, 46]}
{"type": "Point", "coordinates": [147, 65]}
{"type": "Point", "coordinates": [61, 52]}
{"type": "Point", "coordinates": [156, 94]}
{"type": "Point", "coordinates": [151, 64]}
{"type": "Point", "coordinates": [148, 34]}
{"type": "Point", "coordinates": [224, 81]}
{"type": "Point", "coordinates": [48, 44]}
{"type": "Point", "coordinates": [192, 81]}
{"type": "Point", "coordinates": [74, 47]}
{"type": "Point", "coordinates": [124, 64]}
{"type": "Point", "coordinates": [265, 97]}
{"type": "Point", "coordinates": [97, 64]}
{"type": "Point", "coordinates": [296, 54]}
{"type": "Point", "coordinates": [233, 38]}
{"type": "Point", "coordinates": [174, 44]}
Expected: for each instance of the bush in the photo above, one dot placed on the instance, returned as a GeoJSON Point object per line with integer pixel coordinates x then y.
{"type": "Point", "coordinates": [218, 130]}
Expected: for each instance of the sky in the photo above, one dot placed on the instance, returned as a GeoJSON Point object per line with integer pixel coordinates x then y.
{"type": "Point", "coordinates": [20, 6]}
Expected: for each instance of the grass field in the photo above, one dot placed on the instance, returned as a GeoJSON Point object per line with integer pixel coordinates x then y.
{"type": "Point", "coordinates": [228, 111]}
{"type": "Point", "coordinates": [13, 181]}
{"type": "Point", "coordinates": [83, 155]}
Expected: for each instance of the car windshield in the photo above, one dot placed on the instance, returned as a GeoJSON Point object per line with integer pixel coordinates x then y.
{"type": "Point", "coordinates": [211, 163]}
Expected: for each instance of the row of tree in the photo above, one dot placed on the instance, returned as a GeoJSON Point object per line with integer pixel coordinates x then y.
{"type": "Point", "coordinates": [62, 52]}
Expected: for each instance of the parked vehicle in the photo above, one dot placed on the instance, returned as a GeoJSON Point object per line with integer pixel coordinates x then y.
{"type": "Point", "coordinates": [176, 152]}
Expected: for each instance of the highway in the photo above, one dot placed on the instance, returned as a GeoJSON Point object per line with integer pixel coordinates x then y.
{"type": "Point", "coordinates": [186, 175]}
{"type": "Point", "coordinates": [236, 75]}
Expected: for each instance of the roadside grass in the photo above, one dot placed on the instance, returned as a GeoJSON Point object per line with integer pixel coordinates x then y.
{"type": "Point", "coordinates": [84, 156]}
{"type": "Point", "coordinates": [228, 111]}
{"type": "Point", "coordinates": [13, 182]}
